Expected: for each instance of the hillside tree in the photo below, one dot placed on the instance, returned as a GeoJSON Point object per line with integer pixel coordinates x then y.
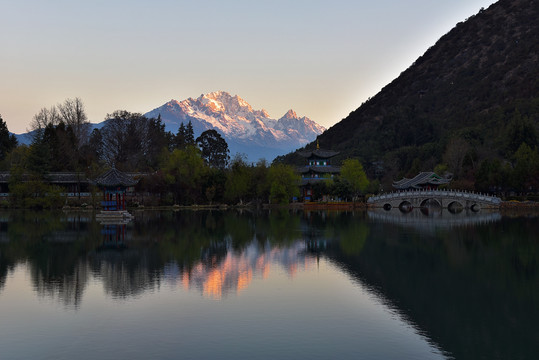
{"type": "Point", "coordinates": [352, 172]}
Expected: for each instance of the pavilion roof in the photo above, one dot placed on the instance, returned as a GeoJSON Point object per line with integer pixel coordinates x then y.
{"type": "Point", "coordinates": [324, 154]}
{"type": "Point", "coordinates": [115, 177]}
{"type": "Point", "coordinates": [423, 178]}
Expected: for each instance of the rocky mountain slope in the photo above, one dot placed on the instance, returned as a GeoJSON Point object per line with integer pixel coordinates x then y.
{"type": "Point", "coordinates": [475, 91]}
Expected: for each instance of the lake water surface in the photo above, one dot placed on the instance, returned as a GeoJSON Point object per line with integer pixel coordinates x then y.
{"type": "Point", "coordinates": [269, 285]}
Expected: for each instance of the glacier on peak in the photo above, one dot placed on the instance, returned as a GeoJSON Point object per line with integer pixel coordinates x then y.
{"type": "Point", "coordinates": [246, 130]}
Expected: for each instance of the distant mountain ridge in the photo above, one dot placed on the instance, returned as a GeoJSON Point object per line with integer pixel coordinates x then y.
{"type": "Point", "coordinates": [245, 129]}
{"type": "Point", "coordinates": [248, 131]}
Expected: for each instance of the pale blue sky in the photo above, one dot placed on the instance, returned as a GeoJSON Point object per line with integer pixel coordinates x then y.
{"type": "Point", "coordinates": [320, 58]}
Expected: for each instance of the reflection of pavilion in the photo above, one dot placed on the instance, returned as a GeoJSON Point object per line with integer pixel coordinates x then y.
{"type": "Point", "coordinates": [124, 269]}
{"type": "Point", "coordinates": [113, 236]}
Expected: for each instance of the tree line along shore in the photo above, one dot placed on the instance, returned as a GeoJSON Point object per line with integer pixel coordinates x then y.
{"type": "Point", "coordinates": [179, 169]}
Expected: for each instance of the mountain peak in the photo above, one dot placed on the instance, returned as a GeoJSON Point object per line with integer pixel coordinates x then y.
{"type": "Point", "coordinates": [244, 128]}
{"type": "Point", "coordinates": [290, 114]}
{"type": "Point", "coordinates": [223, 102]}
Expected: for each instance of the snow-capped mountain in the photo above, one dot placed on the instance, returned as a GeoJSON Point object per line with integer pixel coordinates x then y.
{"type": "Point", "coordinates": [246, 130]}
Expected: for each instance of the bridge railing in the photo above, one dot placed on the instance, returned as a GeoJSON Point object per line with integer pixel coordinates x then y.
{"type": "Point", "coordinates": [454, 194]}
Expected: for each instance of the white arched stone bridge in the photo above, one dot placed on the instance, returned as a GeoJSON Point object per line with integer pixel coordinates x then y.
{"type": "Point", "coordinates": [450, 199]}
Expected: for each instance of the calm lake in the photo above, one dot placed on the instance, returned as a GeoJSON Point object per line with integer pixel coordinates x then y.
{"type": "Point", "coordinates": [269, 285]}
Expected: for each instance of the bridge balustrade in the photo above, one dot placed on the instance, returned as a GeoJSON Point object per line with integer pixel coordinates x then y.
{"type": "Point", "coordinates": [443, 193]}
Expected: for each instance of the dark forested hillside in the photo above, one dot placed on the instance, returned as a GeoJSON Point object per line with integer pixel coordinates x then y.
{"type": "Point", "coordinates": [473, 96]}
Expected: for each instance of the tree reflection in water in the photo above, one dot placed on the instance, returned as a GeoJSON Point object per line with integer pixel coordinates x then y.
{"type": "Point", "coordinates": [469, 281]}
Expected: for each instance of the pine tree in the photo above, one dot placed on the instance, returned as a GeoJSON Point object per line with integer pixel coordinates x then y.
{"type": "Point", "coordinates": [7, 141]}
{"type": "Point", "coordinates": [189, 134]}
{"type": "Point", "coordinates": [179, 139]}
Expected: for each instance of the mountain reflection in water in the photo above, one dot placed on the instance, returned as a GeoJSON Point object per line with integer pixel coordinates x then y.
{"type": "Point", "coordinates": [214, 253]}
{"type": "Point", "coordinates": [235, 271]}
{"type": "Point", "coordinates": [468, 282]}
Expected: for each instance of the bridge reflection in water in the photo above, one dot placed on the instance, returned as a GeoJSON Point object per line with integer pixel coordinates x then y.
{"type": "Point", "coordinates": [431, 218]}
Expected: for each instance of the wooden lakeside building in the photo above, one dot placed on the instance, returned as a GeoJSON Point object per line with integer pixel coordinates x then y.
{"type": "Point", "coordinates": [116, 186]}
{"type": "Point", "coordinates": [72, 184]}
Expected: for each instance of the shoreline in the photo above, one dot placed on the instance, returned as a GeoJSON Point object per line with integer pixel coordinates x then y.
{"type": "Point", "coordinates": [309, 206]}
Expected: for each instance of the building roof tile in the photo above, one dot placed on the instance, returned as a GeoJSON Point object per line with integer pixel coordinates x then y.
{"type": "Point", "coordinates": [114, 177]}
{"type": "Point", "coordinates": [423, 178]}
{"type": "Point", "coordinates": [324, 154]}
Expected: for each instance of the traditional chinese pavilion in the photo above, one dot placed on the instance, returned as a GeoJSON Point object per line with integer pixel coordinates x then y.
{"type": "Point", "coordinates": [318, 168]}
{"type": "Point", "coordinates": [114, 184]}
{"type": "Point", "coordinates": [423, 181]}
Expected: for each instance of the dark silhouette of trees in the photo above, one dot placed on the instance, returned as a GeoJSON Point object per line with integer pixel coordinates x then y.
{"type": "Point", "coordinates": [53, 148]}
{"type": "Point", "coordinates": [114, 134]}
{"type": "Point", "coordinates": [184, 137]}
{"type": "Point", "coordinates": [59, 134]}
{"type": "Point", "coordinates": [214, 149]}
{"type": "Point", "coordinates": [93, 151]}
{"type": "Point", "coordinates": [7, 141]}
{"type": "Point", "coordinates": [520, 130]}
{"type": "Point", "coordinates": [72, 113]}
{"type": "Point", "coordinates": [133, 142]}
{"type": "Point", "coordinates": [525, 175]}
{"type": "Point", "coordinates": [179, 138]}
{"type": "Point", "coordinates": [60, 142]}
{"type": "Point", "coordinates": [189, 134]}
{"type": "Point", "coordinates": [158, 141]}
{"type": "Point", "coordinates": [43, 118]}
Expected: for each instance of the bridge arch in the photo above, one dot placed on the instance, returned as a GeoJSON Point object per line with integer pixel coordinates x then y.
{"type": "Point", "coordinates": [475, 207]}
{"type": "Point", "coordinates": [455, 207]}
{"type": "Point", "coordinates": [430, 202]}
{"type": "Point", "coordinates": [387, 206]}
{"type": "Point", "coordinates": [406, 206]}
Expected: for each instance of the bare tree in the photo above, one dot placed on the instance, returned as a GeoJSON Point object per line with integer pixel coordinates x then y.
{"type": "Point", "coordinates": [73, 114]}
{"type": "Point", "coordinates": [45, 117]}
{"type": "Point", "coordinates": [113, 135]}
{"type": "Point", "coordinates": [131, 141]}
